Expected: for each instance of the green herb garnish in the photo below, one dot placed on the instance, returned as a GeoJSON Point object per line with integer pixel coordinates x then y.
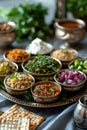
{"type": "Point", "coordinates": [13, 76]}
{"type": "Point", "coordinates": [77, 7]}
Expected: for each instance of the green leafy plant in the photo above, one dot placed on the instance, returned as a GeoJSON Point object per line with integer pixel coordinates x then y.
{"type": "Point", "coordinates": [77, 7]}
{"type": "Point", "coordinates": [29, 19]}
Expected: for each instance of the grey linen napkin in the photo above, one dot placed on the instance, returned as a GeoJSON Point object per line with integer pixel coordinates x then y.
{"type": "Point", "coordinates": [63, 121]}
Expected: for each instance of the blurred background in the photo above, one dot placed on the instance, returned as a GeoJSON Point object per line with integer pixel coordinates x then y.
{"type": "Point", "coordinates": [43, 17]}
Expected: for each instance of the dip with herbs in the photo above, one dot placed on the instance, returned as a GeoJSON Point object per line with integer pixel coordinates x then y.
{"type": "Point", "coordinates": [46, 89]}
{"type": "Point", "coordinates": [64, 54]}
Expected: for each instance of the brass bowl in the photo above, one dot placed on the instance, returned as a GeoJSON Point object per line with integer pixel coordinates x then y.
{"type": "Point", "coordinates": [41, 76]}
{"type": "Point", "coordinates": [7, 33]}
{"type": "Point", "coordinates": [69, 87]}
{"type": "Point", "coordinates": [44, 98]}
{"type": "Point", "coordinates": [17, 91]}
{"type": "Point", "coordinates": [65, 55]}
{"type": "Point", "coordinates": [2, 76]}
{"type": "Point", "coordinates": [78, 64]}
{"type": "Point", "coordinates": [70, 30]}
{"type": "Point", "coordinates": [17, 61]}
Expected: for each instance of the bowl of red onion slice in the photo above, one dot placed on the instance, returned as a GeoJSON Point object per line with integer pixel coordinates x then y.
{"type": "Point", "coordinates": [70, 80]}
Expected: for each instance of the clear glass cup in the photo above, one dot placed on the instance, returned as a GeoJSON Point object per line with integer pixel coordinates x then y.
{"type": "Point", "coordinates": [80, 113]}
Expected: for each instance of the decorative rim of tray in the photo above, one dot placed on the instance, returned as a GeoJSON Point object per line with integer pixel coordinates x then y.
{"type": "Point", "coordinates": [57, 103]}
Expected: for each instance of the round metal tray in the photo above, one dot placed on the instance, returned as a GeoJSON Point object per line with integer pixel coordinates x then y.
{"type": "Point", "coordinates": [60, 102]}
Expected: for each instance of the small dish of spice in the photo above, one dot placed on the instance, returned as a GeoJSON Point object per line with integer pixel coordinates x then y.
{"type": "Point", "coordinates": [16, 55]}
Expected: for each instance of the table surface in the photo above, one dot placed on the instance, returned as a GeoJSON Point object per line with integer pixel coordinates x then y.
{"type": "Point", "coordinates": [51, 114]}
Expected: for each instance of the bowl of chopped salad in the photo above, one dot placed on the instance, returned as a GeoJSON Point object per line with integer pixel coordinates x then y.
{"type": "Point", "coordinates": [79, 64]}
{"type": "Point", "coordinates": [7, 67]}
{"type": "Point", "coordinates": [42, 67]}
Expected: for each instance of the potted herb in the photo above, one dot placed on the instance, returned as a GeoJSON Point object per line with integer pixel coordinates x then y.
{"type": "Point", "coordinates": [78, 8]}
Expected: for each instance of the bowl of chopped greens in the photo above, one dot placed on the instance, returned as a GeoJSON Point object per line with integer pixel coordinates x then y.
{"type": "Point", "coordinates": [42, 67]}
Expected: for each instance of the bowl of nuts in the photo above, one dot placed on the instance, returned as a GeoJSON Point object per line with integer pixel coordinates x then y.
{"type": "Point", "coordinates": [7, 33]}
{"type": "Point", "coordinates": [46, 91]}
{"type": "Point", "coordinates": [18, 83]}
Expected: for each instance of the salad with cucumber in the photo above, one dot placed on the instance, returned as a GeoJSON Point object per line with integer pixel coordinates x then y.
{"type": "Point", "coordinates": [79, 64]}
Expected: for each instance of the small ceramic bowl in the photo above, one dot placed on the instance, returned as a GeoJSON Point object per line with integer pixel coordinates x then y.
{"type": "Point", "coordinates": [70, 80]}
{"type": "Point", "coordinates": [79, 64]}
{"type": "Point", "coordinates": [7, 33]}
{"type": "Point", "coordinates": [65, 55]}
{"type": "Point", "coordinates": [7, 67]}
{"type": "Point", "coordinates": [15, 54]}
{"type": "Point", "coordinates": [46, 91]}
{"type": "Point", "coordinates": [18, 83]}
{"type": "Point", "coordinates": [38, 72]}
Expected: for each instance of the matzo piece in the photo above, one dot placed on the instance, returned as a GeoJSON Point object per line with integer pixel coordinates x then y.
{"type": "Point", "coordinates": [16, 111]}
{"type": "Point", "coordinates": [14, 124]}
